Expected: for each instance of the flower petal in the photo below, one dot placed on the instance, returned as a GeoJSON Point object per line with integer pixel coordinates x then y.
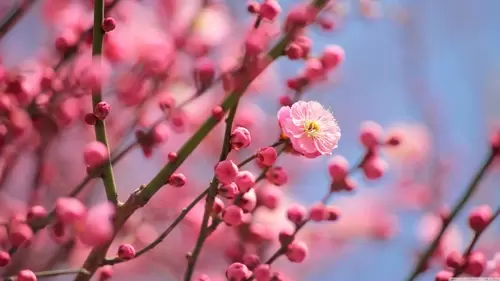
{"type": "Point", "coordinates": [283, 114]}
{"type": "Point", "coordinates": [296, 145]}
{"type": "Point", "coordinates": [308, 144]}
{"type": "Point", "coordinates": [299, 112]}
{"type": "Point", "coordinates": [326, 142]}
{"type": "Point", "coordinates": [292, 130]}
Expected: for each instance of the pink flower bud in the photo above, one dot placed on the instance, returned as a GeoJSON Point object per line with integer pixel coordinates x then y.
{"type": "Point", "coordinates": [19, 233]}
{"type": "Point", "coordinates": [66, 40]}
{"type": "Point", "coordinates": [285, 236]}
{"type": "Point", "coordinates": [4, 258]}
{"type": "Point", "coordinates": [102, 110]}
{"type": "Point", "coordinates": [305, 43]}
{"type": "Point", "coordinates": [270, 197]}
{"type": "Point", "coordinates": [105, 272]}
{"type": "Point", "coordinates": [204, 72]}
{"type": "Point", "coordinates": [454, 260]}
{"type": "Point", "coordinates": [479, 217]}
{"type": "Point", "coordinates": [233, 215]}
{"type": "Point", "coordinates": [244, 180]}
{"type": "Point", "coordinates": [48, 77]}
{"type": "Point", "coordinates": [374, 168]}
{"type": "Point", "coordinates": [476, 264]}
{"type": "Point", "coordinates": [177, 180]}
{"type": "Point", "coordinates": [126, 252]}
{"type": "Point", "coordinates": [36, 212]}
{"type": "Point", "coordinates": [251, 261]}
{"type": "Point", "coordinates": [495, 142]}
{"type": "Point", "coordinates": [248, 201]}
{"type": "Point", "coordinates": [338, 167]}
{"type": "Point", "coordinates": [371, 134]}
{"type": "Point", "coordinates": [313, 69]}
{"type": "Point", "coordinates": [229, 190]}
{"type": "Point", "coordinates": [267, 156]}
{"type": "Point", "coordinates": [262, 272]}
{"type": "Point", "coordinates": [295, 84]}
{"type": "Point", "coordinates": [26, 275]}
{"type": "Point", "coordinates": [317, 212]}
{"type": "Point", "coordinates": [277, 176]}
{"type": "Point", "coordinates": [296, 213]}
{"type": "Point", "coordinates": [218, 206]}
{"type": "Point", "coordinates": [332, 56]}
{"type": "Point", "coordinates": [226, 171]}
{"type": "Point", "coordinates": [166, 102]}
{"type": "Point", "coordinates": [255, 43]}
{"type": "Point", "coordinates": [285, 100]}
{"type": "Point", "coordinates": [172, 157]}
{"type": "Point", "coordinates": [270, 9]}
{"type": "Point", "coordinates": [237, 272]}
{"type": "Point", "coordinates": [218, 113]}
{"type": "Point", "coordinates": [296, 18]}
{"type": "Point", "coordinates": [95, 154]}
{"type": "Point", "coordinates": [178, 120]}
{"type": "Point", "coordinates": [160, 133]}
{"type": "Point", "coordinates": [294, 51]}
{"type": "Point", "coordinates": [98, 226]}
{"type": "Point", "coordinates": [108, 24]}
{"type": "Point", "coordinates": [253, 7]}
{"type": "Point", "coordinates": [297, 251]}
{"type": "Point", "coordinates": [240, 138]}
{"type": "Point", "coordinates": [444, 275]}
{"type": "Point", "coordinates": [203, 277]}
{"type": "Point", "coordinates": [326, 23]}
{"type": "Point", "coordinates": [90, 119]}
{"type": "Point", "coordinates": [332, 213]}
{"type": "Point", "coordinates": [70, 210]}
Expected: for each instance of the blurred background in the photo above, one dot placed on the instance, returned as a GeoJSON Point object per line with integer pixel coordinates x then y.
{"type": "Point", "coordinates": [425, 69]}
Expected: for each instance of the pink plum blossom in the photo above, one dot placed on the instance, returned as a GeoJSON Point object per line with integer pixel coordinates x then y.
{"type": "Point", "coordinates": [311, 128]}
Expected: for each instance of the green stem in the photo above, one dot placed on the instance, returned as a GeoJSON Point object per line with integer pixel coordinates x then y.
{"type": "Point", "coordinates": [467, 195]}
{"type": "Point", "coordinates": [212, 192]}
{"type": "Point", "coordinates": [100, 127]}
{"type": "Point", "coordinates": [141, 196]}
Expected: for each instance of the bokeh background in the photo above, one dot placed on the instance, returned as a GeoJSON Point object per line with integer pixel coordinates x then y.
{"type": "Point", "coordinates": [428, 67]}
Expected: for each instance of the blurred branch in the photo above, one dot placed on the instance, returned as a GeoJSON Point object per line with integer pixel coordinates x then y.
{"type": "Point", "coordinates": [52, 273]}
{"type": "Point", "coordinates": [14, 16]}
{"type": "Point", "coordinates": [446, 222]}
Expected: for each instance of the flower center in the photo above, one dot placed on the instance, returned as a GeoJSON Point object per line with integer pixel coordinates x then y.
{"type": "Point", "coordinates": [311, 128]}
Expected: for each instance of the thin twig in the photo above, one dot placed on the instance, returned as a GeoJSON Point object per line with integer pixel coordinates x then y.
{"type": "Point", "coordinates": [212, 192]}
{"type": "Point", "coordinates": [15, 16]}
{"type": "Point", "coordinates": [52, 273]}
{"type": "Point", "coordinates": [473, 243]}
{"type": "Point", "coordinates": [467, 195]}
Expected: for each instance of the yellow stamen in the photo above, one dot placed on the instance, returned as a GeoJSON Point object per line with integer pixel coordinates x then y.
{"type": "Point", "coordinates": [311, 128]}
